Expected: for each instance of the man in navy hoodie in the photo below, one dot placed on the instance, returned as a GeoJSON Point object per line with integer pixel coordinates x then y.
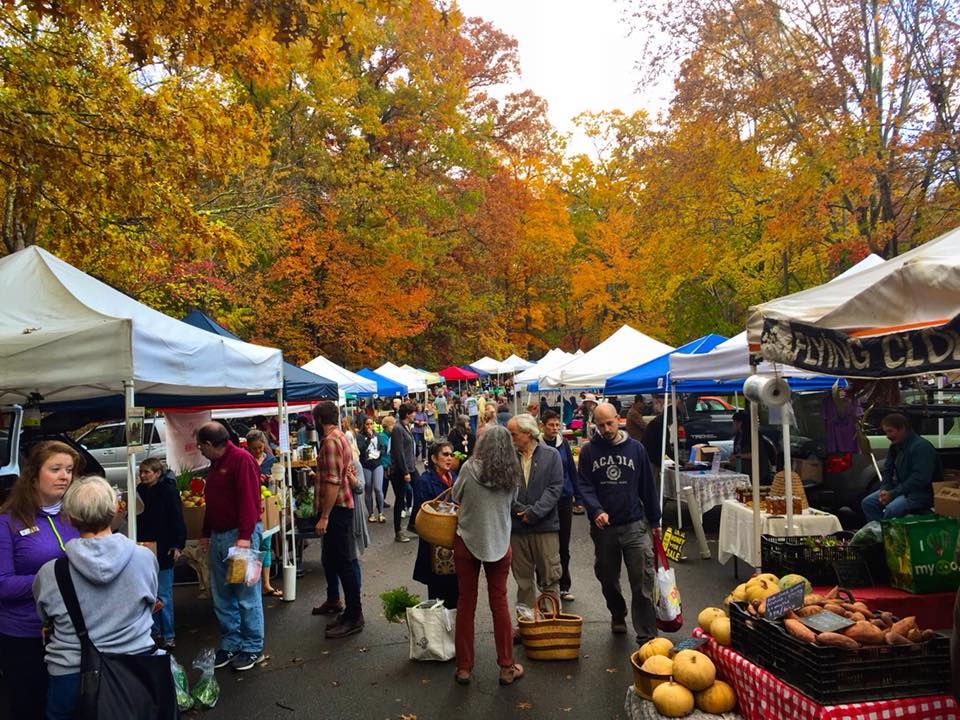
{"type": "Point", "coordinates": [617, 486]}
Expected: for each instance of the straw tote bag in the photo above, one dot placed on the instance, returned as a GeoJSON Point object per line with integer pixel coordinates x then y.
{"type": "Point", "coordinates": [434, 526]}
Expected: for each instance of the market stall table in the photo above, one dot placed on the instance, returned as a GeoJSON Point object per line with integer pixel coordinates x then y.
{"type": "Point", "coordinates": [736, 528]}
{"type": "Point", "coordinates": [761, 696]}
{"type": "Point", "coordinates": [703, 490]}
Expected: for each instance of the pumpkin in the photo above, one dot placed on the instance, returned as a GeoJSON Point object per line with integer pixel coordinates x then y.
{"type": "Point", "coordinates": [673, 700]}
{"type": "Point", "coordinates": [694, 670]}
{"type": "Point", "coordinates": [717, 699]}
{"type": "Point", "coordinates": [708, 615]}
{"type": "Point", "coordinates": [657, 646]}
{"type": "Point", "coordinates": [769, 577]}
{"type": "Point", "coordinates": [788, 581]}
{"type": "Point", "coordinates": [761, 589]}
{"type": "Point", "coordinates": [658, 665]}
{"type": "Point", "coordinates": [720, 629]}
{"type": "Point", "coordinates": [739, 593]}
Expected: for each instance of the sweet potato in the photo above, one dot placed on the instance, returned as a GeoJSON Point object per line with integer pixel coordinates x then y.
{"type": "Point", "coordinates": [808, 610]}
{"type": "Point", "coordinates": [903, 626]}
{"type": "Point", "coordinates": [836, 609]}
{"type": "Point", "coordinates": [857, 617]}
{"type": "Point", "coordinates": [813, 599]}
{"type": "Point", "coordinates": [833, 593]}
{"type": "Point", "coordinates": [887, 618]}
{"type": "Point", "coordinates": [861, 607]}
{"type": "Point", "coordinates": [865, 633]}
{"type": "Point", "coordinates": [837, 640]}
{"type": "Point", "coordinates": [893, 638]}
{"type": "Point", "coordinates": [914, 635]}
{"type": "Point", "coordinates": [878, 623]}
{"type": "Point", "coordinates": [799, 630]}
{"type": "Point", "coordinates": [927, 635]}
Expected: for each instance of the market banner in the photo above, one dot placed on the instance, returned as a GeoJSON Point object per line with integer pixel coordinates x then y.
{"type": "Point", "coordinates": [832, 352]}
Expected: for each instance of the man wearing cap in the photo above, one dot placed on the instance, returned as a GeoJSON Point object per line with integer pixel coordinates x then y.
{"type": "Point", "coordinates": [622, 503]}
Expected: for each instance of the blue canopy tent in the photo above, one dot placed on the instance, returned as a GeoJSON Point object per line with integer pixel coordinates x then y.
{"type": "Point", "coordinates": [472, 369]}
{"type": "Point", "coordinates": [652, 376]}
{"type": "Point", "coordinates": [385, 386]}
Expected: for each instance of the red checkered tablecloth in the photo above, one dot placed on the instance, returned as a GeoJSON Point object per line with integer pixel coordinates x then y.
{"type": "Point", "coordinates": [763, 697]}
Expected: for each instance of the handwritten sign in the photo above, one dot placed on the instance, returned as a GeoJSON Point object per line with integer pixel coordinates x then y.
{"type": "Point", "coordinates": [688, 644]}
{"type": "Point", "coordinates": [673, 541]}
{"type": "Point", "coordinates": [826, 621]}
{"type": "Point", "coordinates": [853, 573]}
{"type": "Point", "coordinates": [779, 603]}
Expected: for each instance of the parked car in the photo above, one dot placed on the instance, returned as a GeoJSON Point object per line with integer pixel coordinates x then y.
{"type": "Point", "coordinates": [107, 443]}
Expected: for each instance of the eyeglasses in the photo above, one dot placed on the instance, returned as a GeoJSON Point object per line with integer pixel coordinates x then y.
{"type": "Point", "coordinates": [446, 454]}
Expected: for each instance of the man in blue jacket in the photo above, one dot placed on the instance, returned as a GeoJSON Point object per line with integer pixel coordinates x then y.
{"type": "Point", "coordinates": [621, 499]}
{"type": "Point", "coordinates": [911, 468]}
{"type": "Point", "coordinates": [553, 438]}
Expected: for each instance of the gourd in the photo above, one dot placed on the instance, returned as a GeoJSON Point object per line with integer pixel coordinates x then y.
{"type": "Point", "coordinates": [761, 589]}
{"type": "Point", "coordinates": [673, 700]}
{"type": "Point", "coordinates": [693, 670]}
{"type": "Point", "coordinates": [718, 698]}
{"type": "Point", "coordinates": [657, 646]}
{"type": "Point", "coordinates": [658, 665]}
{"type": "Point", "coordinates": [720, 629]}
{"type": "Point", "coordinates": [708, 615]}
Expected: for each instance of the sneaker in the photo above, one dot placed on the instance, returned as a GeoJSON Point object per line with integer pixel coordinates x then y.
{"type": "Point", "coordinates": [618, 627]}
{"type": "Point", "coordinates": [567, 596]}
{"type": "Point", "coordinates": [372, 518]}
{"type": "Point", "coordinates": [245, 661]}
{"type": "Point", "coordinates": [403, 513]}
{"type": "Point", "coordinates": [345, 628]}
{"type": "Point", "coordinates": [381, 518]}
{"type": "Point", "coordinates": [401, 537]}
{"type": "Point", "coordinates": [224, 657]}
{"type": "Point", "coordinates": [328, 608]}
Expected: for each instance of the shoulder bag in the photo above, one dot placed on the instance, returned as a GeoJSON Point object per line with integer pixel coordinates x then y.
{"type": "Point", "coordinates": [116, 687]}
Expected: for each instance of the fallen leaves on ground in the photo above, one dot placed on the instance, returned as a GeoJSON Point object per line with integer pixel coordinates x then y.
{"type": "Point", "coordinates": [611, 670]}
{"type": "Point", "coordinates": [523, 705]}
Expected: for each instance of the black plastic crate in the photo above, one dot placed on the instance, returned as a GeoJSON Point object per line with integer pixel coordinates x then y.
{"type": "Point", "coordinates": [816, 562]}
{"type": "Point", "coordinates": [830, 675]}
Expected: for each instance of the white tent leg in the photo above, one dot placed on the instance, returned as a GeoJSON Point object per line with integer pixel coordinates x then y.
{"type": "Point", "coordinates": [663, 447]}
{"type": "Point", "coordinates": [128, 401]}
{"type": "Point", "coordinates": [287, 523]}
{"type": "Point", "coordinates": [787, 466]}
{"type": "Point", "coordinates": [676, 452]}
{"type": "Point", "coordinates": [755, 473]}
{"type": "Point", "coordinates": [940, 380]}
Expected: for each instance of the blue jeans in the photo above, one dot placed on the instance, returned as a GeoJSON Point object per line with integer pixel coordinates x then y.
{"type": "Point", "coordinates": [898, 507]}
{"type": "Point", "coordinates": [333, 580]}
{"type": "Point", "coordinates": [239, 608]}
{"type": "Point", "coordinates": [63, 691]}
{"type": "Point", "coordinates": [473, 424]}
{"type": "Point", "coordinates": [163, 620]}
{"type": "Point", "coordinates": [337, 564]}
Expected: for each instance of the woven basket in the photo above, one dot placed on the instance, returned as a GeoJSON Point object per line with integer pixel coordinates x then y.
{"type": "Point", "coordinates": [553, 635]}
{"type": "Point", "coordinates": [435, 527]}
{"type": "Point", "coordinates": [778, 488]}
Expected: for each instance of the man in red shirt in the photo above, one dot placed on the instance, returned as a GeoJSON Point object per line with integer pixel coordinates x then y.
{"type": "Point", "coordinates": [232, 520]}
{"type": "Point", "coordinates": [335, 506]}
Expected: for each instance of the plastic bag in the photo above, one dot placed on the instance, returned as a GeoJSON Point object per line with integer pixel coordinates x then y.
{"type": "Point", "coordinates": [666, 593]}
{"type": "Point", "coordinates": [206, 692]}
{"type": "Point", "coordinates": [869, 534]}
{"type": "Point", "coordinates": [244, 565]}
{"type": "Point", "coordinates": [524, 613]}
{"type": "Point", "coordinates": [184, 701]}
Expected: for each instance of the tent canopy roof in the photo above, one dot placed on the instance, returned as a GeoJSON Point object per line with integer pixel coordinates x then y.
{"type": "Point", "coordinates": [348, 382]}
{"type": "Point", "coordinates": [514, 364]}
{"type": "Point", "coordinates": [414, 382]}
{"type": "Point", "coordinates": [487, 364]}
{"type": "Point", "coordinates": [624, 349]}
{"type": "Point", "coordinates": [652, 376]}
{"type": "Point", "coordinates": [454, 373]}
{"type": "Point", "coordinates": [385, 386]}
{"type": "Point", "coordinates": [68, 336]}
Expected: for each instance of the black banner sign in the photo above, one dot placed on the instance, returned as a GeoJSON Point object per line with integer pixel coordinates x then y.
{"type": "Point", "coordinates": [831, 352]}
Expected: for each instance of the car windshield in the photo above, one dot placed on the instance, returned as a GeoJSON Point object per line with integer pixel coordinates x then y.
{"type": "Point", "coordinates": [6, 422]}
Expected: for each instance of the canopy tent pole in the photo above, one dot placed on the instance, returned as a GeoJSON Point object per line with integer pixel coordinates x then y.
{"type": "Point", "coordinates": [676, 453]}
{"type": "Point", "coordinates": [755, 471]}
{"type": "Point", "coordinates": [288, 524]}
{"type": "Point", "coordinates": [787, 465]}
{"type": "Point", "coordinates": [663, 442]}
{"type": "Point", "coordinates": [940, 380]}
{"type": "Point", "coordinates": [128, 401]}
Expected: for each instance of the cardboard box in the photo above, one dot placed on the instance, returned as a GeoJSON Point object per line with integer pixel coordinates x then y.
{"type": "Point", "coordinates": [193, 519]}
{"type": "Point", "coordinates": [704, 453]}
{"type": "Point", "coordinates": [920, 552]}
{"type": "Point", "coordinates": [810, 471]}
{"type": "Point", "coordinates": [270, 513]}
{"type": "Point", "coordinates": [149, 545]}
{"type": "Point", "coordinates": [946, 498]}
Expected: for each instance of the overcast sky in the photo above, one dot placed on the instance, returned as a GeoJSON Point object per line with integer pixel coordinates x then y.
{"type": "Point", "coordinates": [574, 53]}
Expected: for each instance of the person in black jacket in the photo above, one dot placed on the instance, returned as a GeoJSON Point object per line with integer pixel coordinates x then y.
{"type": "Point", "coordinates": [403, 464]}
{"type": "Point", "coordinates": [461, 437]}
{"type": "Point", "coordinates": [161, 522]}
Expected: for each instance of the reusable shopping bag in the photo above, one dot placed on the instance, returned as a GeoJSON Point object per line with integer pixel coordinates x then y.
{"type": "Point", "coordinates": [666, 592]}
{"type": "Point", "coordinates": [430, 626]}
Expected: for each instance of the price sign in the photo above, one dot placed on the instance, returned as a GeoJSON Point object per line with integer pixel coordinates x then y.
{"type": "Point", "coordinates": [853, 573]}
{"type": "Point", "coordinates": [688, 644]}
{"type": "Point", "coordinates": [778, 604]}
{"type": "Point", "coordinates": [826, 621]}
{"type": "Point", "coordinates": [673, 541]}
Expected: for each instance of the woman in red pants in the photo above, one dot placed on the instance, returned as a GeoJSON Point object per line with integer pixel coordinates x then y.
{"type": "Point", "coordinates": [485, 489]}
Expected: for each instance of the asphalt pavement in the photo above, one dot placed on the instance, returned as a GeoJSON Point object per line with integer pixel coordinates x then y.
{"type": "Point", "coordinates": [369, 675]}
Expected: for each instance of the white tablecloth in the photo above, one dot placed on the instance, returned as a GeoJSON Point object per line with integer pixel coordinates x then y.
{"type": "Point", "coordinates": [710, 489]}
{"type": "Point", "coordinates": [736, 529]}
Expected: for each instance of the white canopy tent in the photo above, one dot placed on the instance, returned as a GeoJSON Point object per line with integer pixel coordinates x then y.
{"type": "Point", "coordinates": [65, 335]}
{"type": "Point", "coordinates": [415, 383]}
{"type": "Point", "coordinates": [488, 365]}
{"type": "Point", "coordinates": [552, 360]}
{"type": "Point", "coordinates": [514, 364]}
{"type": "Point", "coordinates": [623, 350]}
{"type": "Point", "coordinates": [347, 382]}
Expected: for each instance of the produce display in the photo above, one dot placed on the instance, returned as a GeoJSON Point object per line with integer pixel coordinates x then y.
{"type": "Point", "coordinates": [191, 490]}
{"type": "Point", "coordinates": [678, 682]}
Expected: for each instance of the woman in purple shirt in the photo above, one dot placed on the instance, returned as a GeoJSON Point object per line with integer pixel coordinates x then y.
{"type": "Point", "coordinates": [31, 533]}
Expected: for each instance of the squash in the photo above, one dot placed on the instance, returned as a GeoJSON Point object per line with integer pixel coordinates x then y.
{"type": "Point", "coordinates": [761, 589]}
{"type": "Point", "coordinates": [673, 700]}
{"type": "Point", "coordinates": [739, 593]}
{"type": "Point", "coordinates": [788, 581]}
{"type": "Point", "coordinates": [657, 646]}
{"type": "Point", "coordinates": [720, 629]}
{"type": "Point", "coordinates": [658, 665]}
{"type": "Point", "coordinates": [694, 670]}
{"type": "Point", "coordinates": [708, 615]}
{"type": "Point", "coordinates": [769, 577]}
{"type": "Point", "coordinates": [717, 699]}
